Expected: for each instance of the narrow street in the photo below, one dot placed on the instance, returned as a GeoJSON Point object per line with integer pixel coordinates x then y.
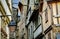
{"type": "Point", "coordinates": [29, 19]}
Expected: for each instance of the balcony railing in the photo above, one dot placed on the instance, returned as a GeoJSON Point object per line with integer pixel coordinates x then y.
{"type": "Point", "coordinates": [38, 31]}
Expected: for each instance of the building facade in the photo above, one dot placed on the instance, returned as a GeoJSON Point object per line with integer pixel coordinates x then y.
{"type": "Point", "coordinates": [45, 24]}
{"type": "Point", "coordinates": [22, 8]}
{"type": "Point", "coordinates": [50, 12]}
{"type": "Point", "coordinates": [34, 20]}
{"type": "Point", "coordinates": [29, 25]}
{"type": "Point", "coordinates": [5, 12]}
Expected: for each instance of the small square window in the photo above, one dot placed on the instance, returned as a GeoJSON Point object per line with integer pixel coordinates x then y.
{"type": "Point", "coordinates": [46, 16]}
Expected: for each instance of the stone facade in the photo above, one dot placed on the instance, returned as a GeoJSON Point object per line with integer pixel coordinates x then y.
{"type": "Point", "coordinates": [4, 19]}
{"type": "Point", "coordinates": [49, 19]}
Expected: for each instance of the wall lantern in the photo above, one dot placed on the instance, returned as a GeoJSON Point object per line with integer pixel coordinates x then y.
{"type": "Point", "coordinates": [12, 27]}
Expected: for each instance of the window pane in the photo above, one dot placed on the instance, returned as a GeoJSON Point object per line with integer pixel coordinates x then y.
{"type": "Point", "coordinates": [39, 19]}
{"type": "Point", "coordinates": [49, 35]}
{"type": "Point", "coordinates": [58, 4]}
{"type": "Point", "coordinates": [46, 16]}
{"type": "Point", "coordinates": [29, 33]}
{"type": "Point", "coordinates": [58, 36]}
{"type": "Point", "coordinates": [54, 13]}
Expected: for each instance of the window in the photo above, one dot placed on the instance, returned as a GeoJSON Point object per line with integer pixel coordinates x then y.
{"type": "Point", "coordinates": [56, 12]}
{"type": "Point", "coordinates": [58, 5]}
{"type": "Point", "coordinates": [36, 3]}
{"type": "Point", "coordinates": [29, 33]}
{"type": "Point", "coordinates": [49, 35]}
{"type": "Point", "coordinates": [14, 14]}
{"type": "Point", "coordinates": [31, 30]}
{"type": "Point", "coordinates": [22, 34]}
{"type": "Point", "coordinates": [0, 23]}
{"type": "Point", "coordinates": [41, 6]}
{"type": "Point", "coordinates": [58, 36]}
{"type": "Point", "coordinates": [31, 2]}
{"type": "Point", "coordinates": [18, 15]}
{"type": "Point", "coordinates": [46, 16]}
{"type": "Point", "coordinates": [39, 20]}
{"type": "Point", "coordinates": [36, 22]}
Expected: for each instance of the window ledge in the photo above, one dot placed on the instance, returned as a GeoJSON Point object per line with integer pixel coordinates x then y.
{"type": "Point", "coordinates": [37, 27]}
{"type": "Point", "coordinates": [57, 25]}
{"type": "Point", "coordinates": [56, 16]}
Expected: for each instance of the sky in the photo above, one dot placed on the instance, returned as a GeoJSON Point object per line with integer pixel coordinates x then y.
{"type": "Point", "coordinates": [15, 5]}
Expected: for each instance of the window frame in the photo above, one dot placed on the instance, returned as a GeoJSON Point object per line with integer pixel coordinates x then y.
{"type": "Point", "coordinates": [51, 6]}
{"type": "Point", "coordinates": [46, 15]}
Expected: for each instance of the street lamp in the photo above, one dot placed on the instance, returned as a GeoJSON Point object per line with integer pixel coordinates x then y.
{"type": "Point", "coordinates": [12, 27]}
